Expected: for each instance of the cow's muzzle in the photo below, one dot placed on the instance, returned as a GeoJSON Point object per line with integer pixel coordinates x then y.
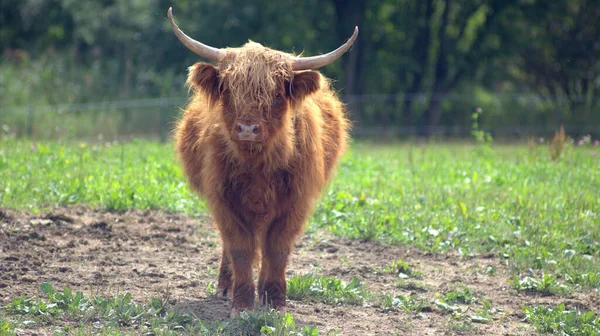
{"type": "Point", "coordinates": [249, 132]}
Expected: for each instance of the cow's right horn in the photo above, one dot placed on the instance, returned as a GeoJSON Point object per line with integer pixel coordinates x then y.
{"type": "Point", "coordinates": [208, 52]}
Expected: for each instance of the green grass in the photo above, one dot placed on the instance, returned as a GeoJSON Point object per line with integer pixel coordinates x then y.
{"type": "Point", "coordinates": [401, 269]}
{"type": "Point", "coordinates": [330, 290]}
{"type": "Point", "coordinates": [461, 294]}
{"type": "Point", "coordinates": [6, 327]}
{"type": "Point", "coordinates": [412, 303]}
{"type": "Point", "coordinates": [462, 327]}
{"type": "Point", "coordinates": [539, 215]}
{"type": "Point", "coordinates": [546, 284]}
{"type": "Point", "coordinates": [115, 176]}
{"type": "Point", "coordinates": [561, 321]}
{"type": "Point", "coordinates": [68, 313]}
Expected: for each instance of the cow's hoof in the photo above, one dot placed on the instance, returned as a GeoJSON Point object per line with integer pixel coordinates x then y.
{"type": "Point", "coordinates": [282, 310]}
{"type": "Point", "coordinates": [225, 292]}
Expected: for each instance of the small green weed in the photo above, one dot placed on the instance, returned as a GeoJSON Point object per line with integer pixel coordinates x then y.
{"type": "Point", "coordinates": [449, 301]}
{"type": "Point", "coordinates": [211, 288]}
{"type": "Point", "coordinates": [268, 323]}
{"type": "Point", "coordinates": [461, 294]}
{"type": "Point", "coordinates": [547, 284]}
{"type": "Point", "coordinates": [328, 290]}
{"type": "Point", "coordinates": [560, 321]}
{"type": "Point", "coordinates": [413, 303]}
{"type": "Point", "coordinates": [402, 269]}
{"type": "Point", "coordinates": [485, 314]}
{"type": "Point", "coordinates": [591, 280]}
{"type": "Point", "coordinates": [31, 306]}
{"type": "Point", "coordinates": [490, 270]}
{"type": "Point", "coordinates": [455, 310]}
{"type": "Point", "coordinates": [6, 328]}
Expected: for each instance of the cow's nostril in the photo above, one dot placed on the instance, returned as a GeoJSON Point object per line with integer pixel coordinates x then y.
{"type": "Point", "coordinates": [239, 128]}
{"type": "Point", "coordinates": [255, 129]}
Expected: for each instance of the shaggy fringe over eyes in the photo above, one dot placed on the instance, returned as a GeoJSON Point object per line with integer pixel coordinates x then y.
{"type": "Point", "coordinates": [253, 73]}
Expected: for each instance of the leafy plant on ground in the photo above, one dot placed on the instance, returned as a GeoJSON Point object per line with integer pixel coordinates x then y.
{"type": "Point", "coordinates": [330, 290]}
{"type": "Point", "coordinates": [486, 313]}
{"type": "Point", "coordinates": [268, 323]}
{"type": "Point", "coordinates": [6, 328]}
{"type": "Point", "coordinates": [455, 310]}
{"type": "Point", "coordinates": [402, 269]}
{"type": "Point", "coordinates": [490, 270]}
{"type": "Point", "coordinates": [460, 294]}
{"type": "Point", "coordinates": [121, 314]}
{"type": "Point", "coordinates": [547, 284]}
{"type": "Point", "coordinates": [591, 279]}
{"type": "Point", "coordinates": [211, 288]}
{"type": "Point", "coordinates": [560, 321]}
{"type": "Point", "coordinates": [412, 303]}
{"type": "Point", "coordinates": [449, 301]}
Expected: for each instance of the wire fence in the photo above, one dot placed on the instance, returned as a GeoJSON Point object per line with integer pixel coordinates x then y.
{"type": "Point", "coordinates": [373, 116]}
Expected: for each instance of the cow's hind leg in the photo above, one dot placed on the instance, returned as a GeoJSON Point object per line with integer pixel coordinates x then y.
{"type": "Point", "coordinates": [277, 247]}
{"type": "Point", "coordinates": [225, 282]}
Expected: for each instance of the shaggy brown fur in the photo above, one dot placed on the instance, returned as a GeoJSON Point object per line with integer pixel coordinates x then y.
{"type": "Point", "coordinates": [260, 193]}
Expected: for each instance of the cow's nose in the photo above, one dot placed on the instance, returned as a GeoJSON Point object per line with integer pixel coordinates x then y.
{"type": "Point", "coordinates": [248, 132]}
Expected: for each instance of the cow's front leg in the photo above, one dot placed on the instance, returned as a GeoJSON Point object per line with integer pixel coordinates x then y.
{"type": "Point", "coordinates": [225, 281]}
{"type": "Point", "coordinates": [279, 241]}
{"type": "Point", "coordinates": [239, 243]}
{"type": "Point", "coordinates": [242, 258]}
{"type": "Point", "coordinates": [241, 250]}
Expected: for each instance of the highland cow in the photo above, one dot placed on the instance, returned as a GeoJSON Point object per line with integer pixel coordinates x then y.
{"type": "Point", "coordinates": [259, 140]}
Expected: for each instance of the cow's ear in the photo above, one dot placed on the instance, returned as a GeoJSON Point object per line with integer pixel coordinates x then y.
{"type": "Point", "coordinates": [204, 77]}
{"type": "Point", "coordinates": [304, 83]}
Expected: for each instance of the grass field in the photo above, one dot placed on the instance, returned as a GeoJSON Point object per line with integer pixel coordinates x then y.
{"type": "Point", "coordinates": [537, 217]}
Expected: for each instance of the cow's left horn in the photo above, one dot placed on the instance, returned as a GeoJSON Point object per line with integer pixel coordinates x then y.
{"type": "Point", "coordinates": [314, 62]}
{"type": "Point", "coordinates": [208, 52]}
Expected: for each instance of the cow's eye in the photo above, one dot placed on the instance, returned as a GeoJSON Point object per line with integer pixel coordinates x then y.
{"type": "Point", "coordinates": [277, 99]}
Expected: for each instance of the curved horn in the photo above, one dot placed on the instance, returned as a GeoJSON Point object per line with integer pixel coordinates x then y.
{"type": "Point", "coordinates": [208, 52]}
{"type": "Point", "coordinates": [314, 62]}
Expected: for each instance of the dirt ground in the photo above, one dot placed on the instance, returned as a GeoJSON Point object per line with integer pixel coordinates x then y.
{"type": "Point", "coordinates": [175, 256]}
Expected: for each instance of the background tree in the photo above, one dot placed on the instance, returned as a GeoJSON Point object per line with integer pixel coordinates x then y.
{"type": "Point", "coordinates": [560, 58]}
{"type": "Point", "coordinates": [416, 64]}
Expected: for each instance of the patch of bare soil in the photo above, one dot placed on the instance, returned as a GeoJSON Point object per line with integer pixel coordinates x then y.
{"type": "Point", "coordinates": [175, 256]}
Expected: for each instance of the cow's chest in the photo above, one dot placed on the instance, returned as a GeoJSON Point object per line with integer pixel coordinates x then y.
{"type": "Point", "coordinates": [258, 194]}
